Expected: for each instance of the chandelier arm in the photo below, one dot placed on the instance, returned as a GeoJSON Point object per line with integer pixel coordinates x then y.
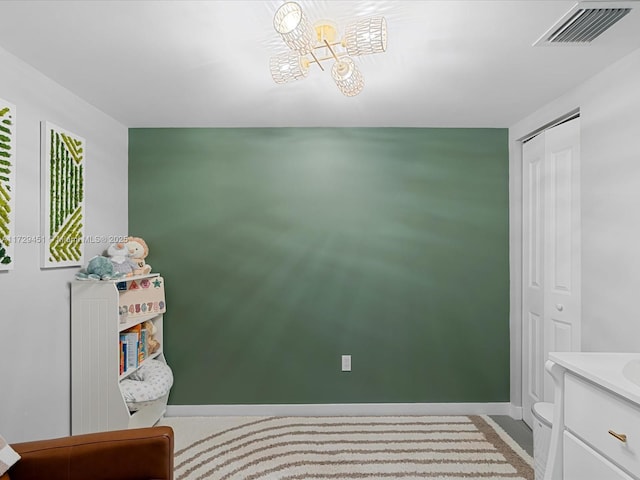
{"type": "Point", "coordinates": [333, 44]}
{"type": "Point", "coordinates": [322, 59]}
{"type": "Point", "coordinates": [331, 50]}
{"type": "Point", "coordinates": [315, 59]}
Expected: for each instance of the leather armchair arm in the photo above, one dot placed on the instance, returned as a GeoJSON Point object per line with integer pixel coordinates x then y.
{"type": "Point", "coordinates": [137, 454]}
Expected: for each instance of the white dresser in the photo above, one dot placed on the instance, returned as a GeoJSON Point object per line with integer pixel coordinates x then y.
{"type": "Point", "coordinates": [596, 430]}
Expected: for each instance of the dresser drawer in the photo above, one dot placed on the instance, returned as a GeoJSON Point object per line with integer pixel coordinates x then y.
{"type": "Point", "coordinates": [581, 462]}
{"type": "Point", "coordinates": [590, 412]}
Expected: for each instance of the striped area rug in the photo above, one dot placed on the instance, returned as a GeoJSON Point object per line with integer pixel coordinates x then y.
{"type": "Point", "coordinates": [336, 448]}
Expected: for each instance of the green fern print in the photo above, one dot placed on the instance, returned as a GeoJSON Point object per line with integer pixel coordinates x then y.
{"type": "Point", "coordinates": [6, 166]}
{"type": "Point", "coordinates": [66, 187]}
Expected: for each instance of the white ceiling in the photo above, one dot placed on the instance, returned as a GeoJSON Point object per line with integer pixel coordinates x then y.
{"type": "Point", "coordinates": [206, 63]}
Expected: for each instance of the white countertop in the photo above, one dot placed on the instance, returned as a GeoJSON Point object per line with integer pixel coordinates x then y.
{"type": "Point", "coordinates": [604, 369]}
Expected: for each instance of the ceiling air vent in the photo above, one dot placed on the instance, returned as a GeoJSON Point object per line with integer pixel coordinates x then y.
{"type": "Point", "coordinates": [582, 25]}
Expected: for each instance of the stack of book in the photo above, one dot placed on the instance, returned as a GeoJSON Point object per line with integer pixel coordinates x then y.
{"type": "Point", "coordinates": [133, 348]}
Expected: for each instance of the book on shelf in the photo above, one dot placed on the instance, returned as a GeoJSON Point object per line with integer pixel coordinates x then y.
{"type": "Point", "coordinates": [133, 347]}
{"type": "Point", "coordinates": [143, 343]}
{"type": "Point", "coordinates": [133, 343]}
{"type": "Point", "coordinates": [122, 355]}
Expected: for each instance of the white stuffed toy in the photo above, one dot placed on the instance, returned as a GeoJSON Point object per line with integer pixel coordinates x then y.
{"type": "Point", "coordinates": [138, 251]}
{"type": "Point", "coordinates": [122, 263]}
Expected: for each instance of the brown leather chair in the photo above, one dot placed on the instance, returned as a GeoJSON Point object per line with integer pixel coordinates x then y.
{"type": "Point", "coordinates": [136, 454]}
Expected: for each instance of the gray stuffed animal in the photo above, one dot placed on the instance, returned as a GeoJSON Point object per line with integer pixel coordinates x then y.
{"type": "Point", "coordinates": [98, 268]}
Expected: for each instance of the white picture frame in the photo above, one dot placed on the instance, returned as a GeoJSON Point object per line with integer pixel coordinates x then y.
{"type": "Point", "coordinates": [63, 158]}
{"type": "Point", "coordinates": [7, 184]}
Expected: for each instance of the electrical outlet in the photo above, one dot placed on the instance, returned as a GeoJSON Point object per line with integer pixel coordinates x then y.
{"type": "Point", "coordinates": [346, 363]}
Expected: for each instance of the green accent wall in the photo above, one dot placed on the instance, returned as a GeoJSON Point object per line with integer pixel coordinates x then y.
{"type": "Point", "coordinates": [283, 249]}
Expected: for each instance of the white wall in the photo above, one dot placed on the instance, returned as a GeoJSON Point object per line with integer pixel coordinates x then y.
{"type": "Point", "coordinates": [34, 303]}
{"type": "Point", "coordinates": [609, 106]}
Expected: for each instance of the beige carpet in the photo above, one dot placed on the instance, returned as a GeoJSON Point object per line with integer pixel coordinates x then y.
{"type": "Point", "coordinates": [381, 448]}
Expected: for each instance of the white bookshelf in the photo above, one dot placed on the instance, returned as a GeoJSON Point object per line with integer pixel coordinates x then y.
{"type": "Point", "coordinates": [97, 403]}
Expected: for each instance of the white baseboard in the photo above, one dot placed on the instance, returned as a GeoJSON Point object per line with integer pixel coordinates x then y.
{"type": "Point", "coordinates": [358, 409]}
{"type": "Point", "coordinates": [515, 412]}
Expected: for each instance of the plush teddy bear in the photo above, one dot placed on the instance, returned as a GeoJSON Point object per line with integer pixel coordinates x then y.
{"type": "Point", "coordinates": [138, 251]}
{"type": "Point", "coordinates": [119, 256]}
{"type": "Point", "coordinates": [98, 268]}
{"type": "Point", "coordinates": [152, 344]}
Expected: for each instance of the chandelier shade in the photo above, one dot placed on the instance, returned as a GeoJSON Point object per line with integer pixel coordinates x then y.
{"type": "Point", "coordinates": [294, 28]}
{"type": "Point", "coordinates": [287, 67]}
{"type": "Point", "coordinates": [366, 36]}
{"type": "Point", "coordinates": [347, 77]}
{"type": "Point", "coordinates": [318, 43]}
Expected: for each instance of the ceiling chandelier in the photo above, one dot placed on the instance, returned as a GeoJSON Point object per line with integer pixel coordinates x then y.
{"type": "Point", "coordinates": [318, 43]}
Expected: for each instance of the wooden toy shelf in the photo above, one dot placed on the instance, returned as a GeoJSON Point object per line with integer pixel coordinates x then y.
{"type": "Point", "coordinates": [100, 312]}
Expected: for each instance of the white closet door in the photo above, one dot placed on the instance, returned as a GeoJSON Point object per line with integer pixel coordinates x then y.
{"type": "Point", "coordinates": [551, 255]}
{"type": "Point", "coordinates": [562, 242]}
{"type": "Point", "coordinates": [533, 241]}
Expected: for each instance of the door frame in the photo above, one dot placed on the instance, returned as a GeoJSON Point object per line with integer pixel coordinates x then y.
{"type": "Point", "coordinates": [516, 139]}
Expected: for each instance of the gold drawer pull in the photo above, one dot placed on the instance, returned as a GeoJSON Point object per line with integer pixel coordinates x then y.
{"type": "Point", "coordinates": [620, 436]}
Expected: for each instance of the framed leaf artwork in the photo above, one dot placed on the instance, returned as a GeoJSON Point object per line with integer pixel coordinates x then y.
{"type": "Point", "coordinates": [62, 196]}
{"type": "Point", "coordinates": [7, 183]}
